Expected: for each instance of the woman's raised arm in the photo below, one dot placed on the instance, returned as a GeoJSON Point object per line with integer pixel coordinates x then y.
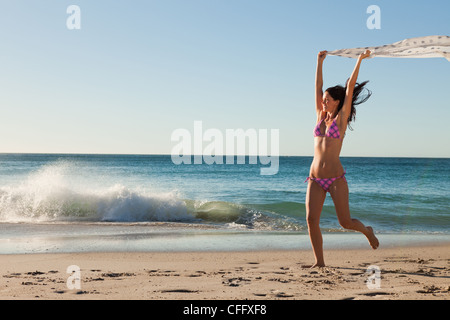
{"type": "Point", "coordinates": [346, 108]}
{"type": "Point", "coordinates": [319, 80]}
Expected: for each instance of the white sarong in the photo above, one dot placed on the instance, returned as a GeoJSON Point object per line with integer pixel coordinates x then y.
{"type": "Point", "coordinates": [422, 47]}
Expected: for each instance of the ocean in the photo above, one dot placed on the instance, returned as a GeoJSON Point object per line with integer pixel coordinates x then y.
{"type": "Point", "coordinates": [88, 202]}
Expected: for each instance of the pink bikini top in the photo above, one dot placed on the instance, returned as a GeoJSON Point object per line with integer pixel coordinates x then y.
{"type": "Point", "coordinates": [333, 131]}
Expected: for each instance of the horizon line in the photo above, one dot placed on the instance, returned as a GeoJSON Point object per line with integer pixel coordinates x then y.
{"type": "Point", "coordinates": [191, 155]}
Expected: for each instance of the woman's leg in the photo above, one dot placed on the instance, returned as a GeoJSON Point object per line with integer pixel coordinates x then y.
{"type": "Point", "coordinates": [315, 196]}
{"type": "Point", "coordinates": [339, 193]}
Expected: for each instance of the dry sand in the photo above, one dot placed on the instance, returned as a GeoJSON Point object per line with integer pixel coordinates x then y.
{"type": "Point", "coordinates": [406, 273]}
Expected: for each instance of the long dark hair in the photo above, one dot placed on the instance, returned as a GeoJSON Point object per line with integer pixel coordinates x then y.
{"type": "Point", "coordinates": [338, 93]}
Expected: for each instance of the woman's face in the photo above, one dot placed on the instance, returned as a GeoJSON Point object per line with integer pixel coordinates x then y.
{"type": "Point", "coordinates": [328, 103]}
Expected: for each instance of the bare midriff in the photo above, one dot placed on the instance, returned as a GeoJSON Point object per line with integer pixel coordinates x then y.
{"type": "Point", "coordinates": [326, 162]}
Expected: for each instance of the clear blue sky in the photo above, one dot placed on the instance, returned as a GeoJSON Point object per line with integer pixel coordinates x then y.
{"type": "Point", "coordinates": [137, 70]}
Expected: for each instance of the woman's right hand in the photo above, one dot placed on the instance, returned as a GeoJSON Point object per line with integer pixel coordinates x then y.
{"type": "Point", "coordinates": [322, 55]}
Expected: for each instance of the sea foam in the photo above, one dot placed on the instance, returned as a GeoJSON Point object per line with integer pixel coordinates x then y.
{"type": "Point", "coordinates": [63, 191]}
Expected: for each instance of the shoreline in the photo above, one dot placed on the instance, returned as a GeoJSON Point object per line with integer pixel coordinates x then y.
{"type": "Point", "coordinates": [406, 272]}
{"type": "Point", "coordinates": [230, 241]}
{"type": "Point", "coordinates": [182, 237]}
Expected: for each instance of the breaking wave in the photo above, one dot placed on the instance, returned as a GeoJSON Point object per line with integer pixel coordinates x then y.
{"type": "Point", "coordinates": [53, 193]}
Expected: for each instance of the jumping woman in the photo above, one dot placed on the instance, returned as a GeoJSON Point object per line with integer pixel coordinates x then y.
{"type": "Point", "coordinates": [335, 110]}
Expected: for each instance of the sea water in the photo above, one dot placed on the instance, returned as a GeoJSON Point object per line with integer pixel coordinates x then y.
{"type": "Point", "coordinates": [76, 202]}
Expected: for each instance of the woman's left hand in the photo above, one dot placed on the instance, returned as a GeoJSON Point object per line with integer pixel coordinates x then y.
{"type": "Point", "coordinates": [366, 54]}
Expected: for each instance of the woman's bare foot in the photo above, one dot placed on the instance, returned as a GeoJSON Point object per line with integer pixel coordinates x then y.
{"type": "Point", "coordinates": [313, 266]}
{"type": "Point", "coordinates": [374, 243]}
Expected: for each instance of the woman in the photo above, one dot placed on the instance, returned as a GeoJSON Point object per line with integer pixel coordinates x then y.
{"type": "Point", "coordinates": [335, 110]}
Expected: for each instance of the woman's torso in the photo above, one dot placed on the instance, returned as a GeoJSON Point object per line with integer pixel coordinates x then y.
{"type": "Point", "coordinates": [327, 149]}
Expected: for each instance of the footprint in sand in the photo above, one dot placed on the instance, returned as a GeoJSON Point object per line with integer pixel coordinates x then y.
{"type": "Point", "coordinates": [281, 294]}
{"type": "Point", "coordinates": [374, 294]}
{"type": "Point", "coordinates": [179, 291]}
{"type": "Point", "coordinates": [235, 282]}
{"type": "Point", "coordinates": [197, 273]}
{"type": "Point", "coordinates": [117, 274]}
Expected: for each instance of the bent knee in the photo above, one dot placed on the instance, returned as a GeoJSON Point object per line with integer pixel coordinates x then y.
{"type": "Point", "coordinates": [346, 224]}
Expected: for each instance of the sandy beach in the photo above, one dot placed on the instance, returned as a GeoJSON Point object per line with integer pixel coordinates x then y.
{"type": "Point", "coordinates": [405, 273]}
